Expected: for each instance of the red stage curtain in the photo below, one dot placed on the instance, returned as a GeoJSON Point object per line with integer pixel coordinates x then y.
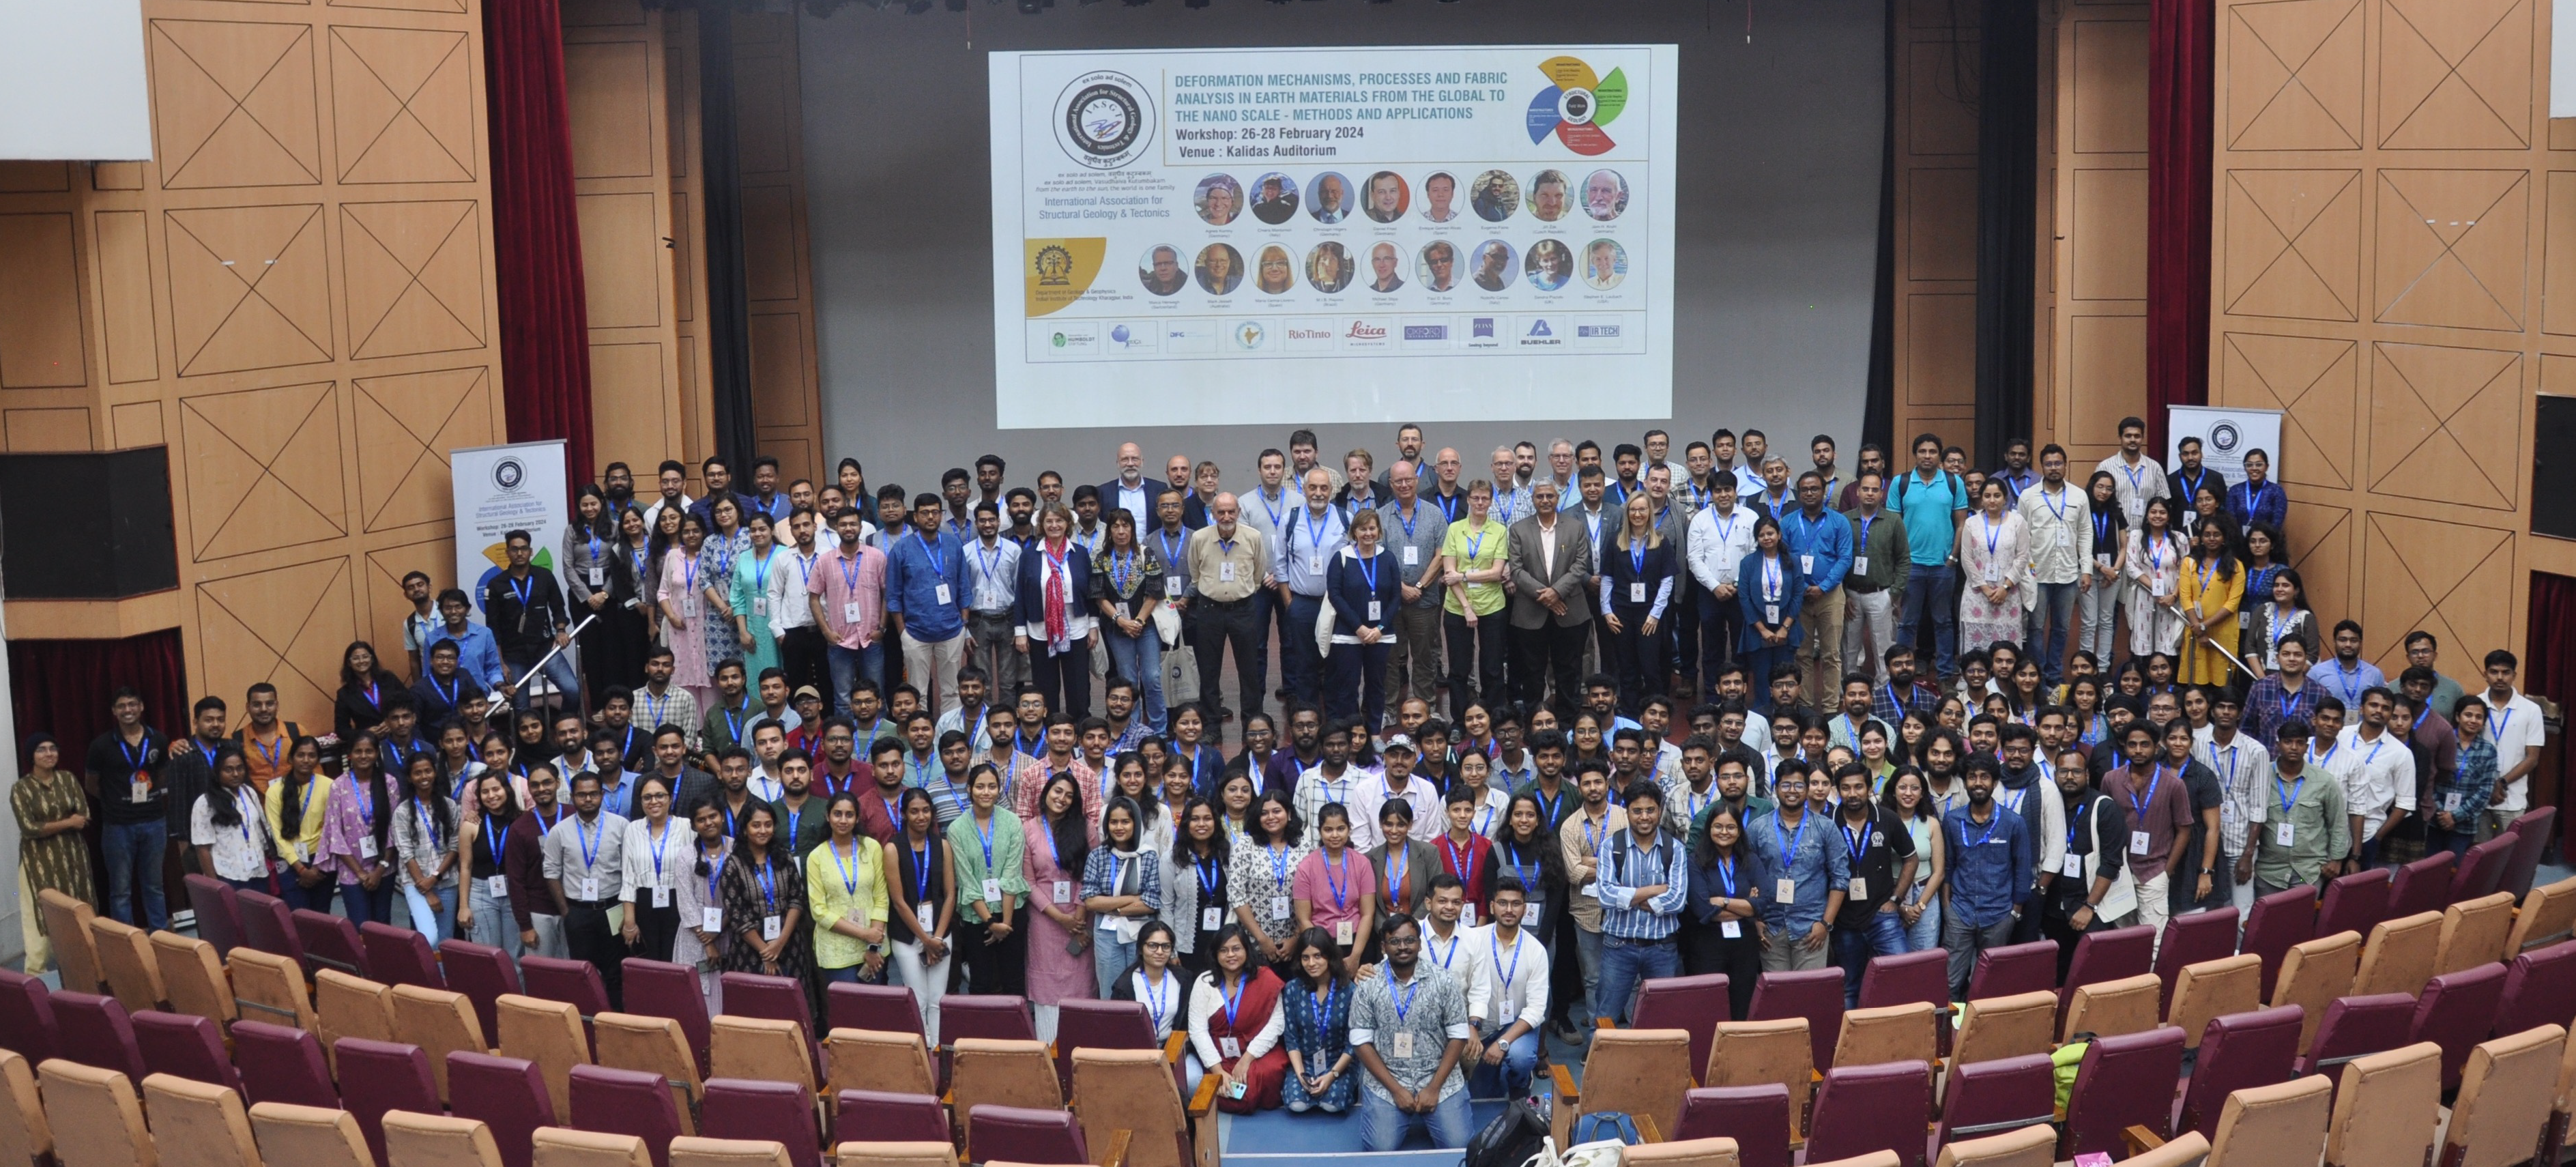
{"type": "Point", "coordinates": [536, 236]}
{"type": "Point", "coordinates": [63, 688]}
{"type": "Point", "coordinates": [2180, 34]}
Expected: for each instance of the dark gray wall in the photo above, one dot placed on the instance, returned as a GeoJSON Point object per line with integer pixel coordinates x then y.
{"type": "Point", "coordinates": [1777, 185]}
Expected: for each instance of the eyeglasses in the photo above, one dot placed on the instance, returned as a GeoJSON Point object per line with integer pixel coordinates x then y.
{"type": "Point", "coordinates": [1158, 946]}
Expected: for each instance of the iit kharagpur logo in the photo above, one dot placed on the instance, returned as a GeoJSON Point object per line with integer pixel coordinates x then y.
{"type": "Point", "coordinates": [1105, 120]}
{"type": "Point", "coordinates": [1054, 265]}
{"type": "Point", "coordinates": [1576, 104]}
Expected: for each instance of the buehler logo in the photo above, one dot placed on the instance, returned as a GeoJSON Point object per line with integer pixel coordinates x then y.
{"type": "Point", "coordinates": [1539, 327]}
{"type": "Point", "coordinates": [1105, 121]}
{"type": "Point", "coordinates": [1576, 104]}
{"type": "Point", "coordinates": [2224, 437]}
{"type": "Point", "coordinates": [508, 474]}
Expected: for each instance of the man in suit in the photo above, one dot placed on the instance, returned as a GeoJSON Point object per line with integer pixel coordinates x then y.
{"type": "Point", "coordinates": [1551, 570]}
{"type": "Point", "coordinates": [1129, 489]}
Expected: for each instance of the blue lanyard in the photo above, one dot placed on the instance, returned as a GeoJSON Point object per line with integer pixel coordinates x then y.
{"type": "Point", "coordinates": [1368, 571]}
{"type": "Point", "coordinates": [492, 839]}
{"type": "Point", "coordinates": [2139, 805]}
{"type": "Point", "coordinates": [1279, 865]}
{"type": "Point", "coordinates": [1157, 995]}
{"type": "Point", "coordinates": [1324, 1004]}
{"type": "Point", "coordinates": [277, 757]}
{"type": "Point", "coordinates": [1991, 824]}
{"type": "Point", "coordinates": [520, 588]}
{"type": "Point", "coordinates": [1726, 876]}
{"type": "Point", "coordinates": [930, 553]}
{"type": "Point", "coordinates": [1495, 947]}
{"type": "Point", "coordinates": [1858, 845]}
{"type": "Point", "coordinates": [921, 873]}
{"type": "Point", "coordinates": [1475, 544]}
{"type": "Point", "coordinates": [1789, 843]}
{"type": "Point", "coordinates": [1341, 889]}
{"type": "Point", "coordinates": [1234, 1000]}
{"type": "Point", "coordinates": [1405, 1002]}
{"type": "Point", "coordinates": [445, 693]}
{"type": "Point", "coordinates": [1211, 881]}
{"type": "Point", "coordinates": [984, 832]}
{"type": "Point", "coordinates": [768, 886]}
{"type": "Point", "coordinates": [849, 867]}
{"type": "Point", "coordinates": [1528, 876]}
{"type": "Point", "coordinates": [589, 844]}
{"type": "Point", "coordinates": [2293, 795]}
{"type": "Point", "coordinates": [366, 801]}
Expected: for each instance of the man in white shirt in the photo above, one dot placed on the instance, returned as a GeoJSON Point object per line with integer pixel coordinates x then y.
{"type": "Point", "coordinates": [1721, 535]}
{"type": "Point", "coordinates": [992, 584]}
{"type": "Point", "coordinates": [1449, 946]}
{"type": "Point", "coordinates": [2059, 520]}
{"type": "Point", "coordinates": [1395, 783]}
{"type": "Point", "coordinates": [2382, 776]}
{"type": "Point", "coordinates": [2513, 724]}
{"type": "Point", "coordinates": [2327, 755]}
{"type": "Point", "coordinates": [2137, 477]}
{"type": "Point", "coordinates": [1506, 1009]}
{"type": "Point", "coordinates": [1335, 779]}
{"type": "Point", "coordinates": [2244, 770]}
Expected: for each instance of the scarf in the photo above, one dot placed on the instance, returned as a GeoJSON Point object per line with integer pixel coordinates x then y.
{"type": "Point", "coordinates": [1057, 640]}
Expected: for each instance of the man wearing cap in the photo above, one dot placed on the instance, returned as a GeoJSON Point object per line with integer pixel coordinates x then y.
{"type": "Point", "coordinates": [1370, 795]}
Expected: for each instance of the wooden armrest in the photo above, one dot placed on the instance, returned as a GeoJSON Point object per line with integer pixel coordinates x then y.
{"type": "Point", "coordinates": [2138, 1140]}
{"type": "Point", "coordinates": [273, 1010]}
{"type": "Point", "coordinates": [1647, 1131]}
{"type": "Point", "coordinates": [1606, 1022]}
{"type": "Point", "coordinates": [1116, 1154]}
{"type": "Point", "coordinates": [1566, 1091]}
{"type": "Point", "coordinates": [1173, 1047]}
{"type": "Point", "coordinates": [1203, 1097]}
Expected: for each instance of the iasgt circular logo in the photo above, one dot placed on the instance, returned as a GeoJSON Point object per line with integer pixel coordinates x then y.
{"type": "Point", "coordinates": [2224, 437]}
{"type": "Point", "coordinates": [1106, 121]}
{"type": "Point", "coordinates": [508, 473]}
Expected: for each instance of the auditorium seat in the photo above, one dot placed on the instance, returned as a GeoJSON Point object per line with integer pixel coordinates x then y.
{"type": "Point", "coordinates": [2265, 1126]}
{"type": "Point", "coordinates": [548, 1033]}
{"type": "Point", "coordinates": [996, 1017]}
{"type": "Point", "coordinates": [2531, 834]}
{"type": "Point", "coordinates": [2122, 1082]}
{"type": "Point", "coordinates": [2387, 1109]}
{"type": "Point", "coordinates": [2353, 903]}
{"type": "Point", "coordinates": [1082, 1024]}
{"type": "Point", "coordinates": [400, 956]}
{"type": "Point", "coordinates": [27, 1025]}
{"type": "Point", "coordinates": [2505, 1097]}
{"type": "Point", "coordinates": [901, 1118]}
{"type": "Point", "coordinates": [198, 1124]}
{"type": "Point", "coordinates": [95, 1115]}
{"type": "Point", "coordinates": [1756, 1053]}
{"type": "Point", "coordinates": [2545, 917]}
{"type": "Point", "coordinates": [2014, 969]}
{"type": "Point", "coordinates": [125, 957]}
{"type": "Point", "coordinates": [1891, 1033]}
{"type": "Point", "coordinates": [2539, 989]}
{"type": "Point", "coordinates": [656, 988]}
{"type": "Point", "coordinates": [25, 1136]}
{"type": "Point", "coordinates": [2190, 940]}
{"type": "Point", "coordinates": [2105, 1008]}
{"type": "Point", "coordinates": [193, 976]}
{"type": "Point", "coordinates": [1692, 1004]}
{"type": "Point", "coordinates": [270, 988]}
{"type": "Point", "coordinates": [186, 1046]}
{"type": "Point", "coordinates": [96, 1031]}
{"type": "Point", "coordinates": [1816, 996]}
{"type": "Point", "coordinates": [2239, 1050]}
{"type": "Point", "coordinates": [432, 1140]}
{"type": "Point", "coordinates": [1640, 1072]}
{"type": "Point", "coordinates": [67, 927]}
{"type": "Point", "coordinates": [875, 1059]}
{"type": "Point", "coordinates": [2474, 932]}
{"type": "Point", "coordinates": [625, 1102]}
{"type": "Point", "coordinates": [2316, 972]}
{"type": "Point", "coordinates": [2399, 956]}
{"type": "Point", "coordinates": [885, 1008]}
{"type": "Point", "coordinates": [2481, 871]}
{"type": "Point", "coordinates": [2214, 988]}
{"type": "Point", "coordinates": [440, 1022]}
{"type": "Point", "coordinates": [2455, 1012]}
{"type": "Point", "coordinates": [2279, 920]}
{"type": "Point", "coordinates": [481, 972]}
{"type": "Point", "coordinates": [1862, 1109]}
{"type": "Point", "coordinates": [2423, 886]}
{"type": "Point", "coordinates": [378, 1076]}
{"type": "Point", "coordinates": [2349, 1027]}
{"type": "Point", "coordinates": [1986, 1098]}
{"type": "Point", "coordinates": [573, 982]}
{"type": "Point", "coordinates": [269, 926]}
{"type": "Point", "coordinates": [331, 942]}
{"type": "Point", "coordinates": [2112, 955]}
{"type": "Point", "coordinates": [309, 1136]}
{"type": "Point", "coordinates": [218, 908]}
{"type": "Point", "coordinates": [1756, 1117]}
{"type": "Point", "coordinates": [282, 1065]}
{"type": "Point", "coordinates": [738, 1108]}
{"type": "Point", "coordinates": [506, 1094]}
{"type": "Point", "coordinates": [1019, 1134]}
{"type": "Point", "coordinates": [654, 1045]}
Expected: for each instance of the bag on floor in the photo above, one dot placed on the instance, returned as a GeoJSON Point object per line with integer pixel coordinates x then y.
{"type": "Point", "coordinates": [1513, 1139]}
{"type": "Point", "coordinates": [1180, 675]}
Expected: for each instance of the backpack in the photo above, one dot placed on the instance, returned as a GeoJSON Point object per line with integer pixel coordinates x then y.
{"type": "Point", "coordinates": [1515, 1135]}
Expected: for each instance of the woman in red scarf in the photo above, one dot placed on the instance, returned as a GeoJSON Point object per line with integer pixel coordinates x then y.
{"type": "Point", "coordinates": [1054, 615]}
{"type": "Point", "coordinates": [1235, 1027]}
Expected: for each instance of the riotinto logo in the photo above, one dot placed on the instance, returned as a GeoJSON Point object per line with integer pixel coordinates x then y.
{"type": "Point", "coordinates": [1576, 104]}
{"type": "Point", "coordinates": [1104, 120]}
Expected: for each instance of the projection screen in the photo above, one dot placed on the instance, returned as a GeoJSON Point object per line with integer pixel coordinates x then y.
{"type": "Point", "coordinates": [1332, 235]}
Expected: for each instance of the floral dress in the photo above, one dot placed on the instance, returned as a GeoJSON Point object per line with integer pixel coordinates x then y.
{"type": "Point", "coordinates": [1257, 879]}
{"type": "Point", "coordinates": [2152, 569]}
{"type": "Point", "coordinates": [1992, 554]}
{"type": "Point", "coordinates": [1320, 1032]}
{"type": "Point", "coordinates": [747, 899]}
{"type": "Point", "coordinates": [715, 569]}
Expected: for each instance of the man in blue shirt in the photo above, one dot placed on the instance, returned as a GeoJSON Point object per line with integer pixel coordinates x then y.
{"type": "Point", "coordinates": [1933, 502]}
{"type": "Point", "coordinates": [1808, 875]}
{"type": "Point", "coordinates": [1644, 879]}
{"type": "Point", "coordinates": [477, 654]}
{"type": "Point", "coordinates": [1821, 538]}
{"type": "Point", "coordinates": [1989, 873]}
{"type": "Point", "coordinates": [1308, 540]}
{"type": "Point", "coordinates": [926, 596]}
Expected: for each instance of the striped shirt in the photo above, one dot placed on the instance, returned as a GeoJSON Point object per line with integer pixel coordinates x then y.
{"type": "Point", "coordinates": [1624, 870]}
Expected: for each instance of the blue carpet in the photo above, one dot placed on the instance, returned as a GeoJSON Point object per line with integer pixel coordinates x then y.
{"type": "Point", "coordinates": [1276, 1138]}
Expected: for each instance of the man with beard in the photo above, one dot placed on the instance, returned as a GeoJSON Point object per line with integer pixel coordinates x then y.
{"type": "Point", "coordinates": [1989, 873]}
{"type": "Point", "coordinates": [2026, 777]}
{"type": "Point", "coordinates": [2093, 891]}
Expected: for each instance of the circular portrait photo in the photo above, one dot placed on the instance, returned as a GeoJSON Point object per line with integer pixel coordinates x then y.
{"type": "Point", "coordinates": [1605, 194]}
{"type": "Point", "coordinates": [1495, 195]}
{"type": "Point", "coordinates": [1274, 198]}
{"type": "Point", "coordinates": [1219, 199]}
{"type": "Point", "coordinates": [1492, 265]}
{"type": "Point", "coordinates": [1550, 264]}
{"type": "Point", "coordinates": [1220, 269]}
{"type": "Point", "coordinates": [1383, 261]}
{"type": "Point", "coordinates": [1161, 271]}
{"type": "Point", "coordinates": [1547, 195]}
{"type": "Point", "coordinates": [1440, 197]}
{"type": "Point", "coordinates": [1436, 269]}
{"type": "Point", "coordinates": [1328, 268]}
{"type": "Point", "coordinates": [1386, 196]}
{"type": "Point", "coordinates": [1329, 198]}
{"type": "Point", "coordinates": [1278, 269]}
{"type": "Point", "coordinates": [1605, 263]}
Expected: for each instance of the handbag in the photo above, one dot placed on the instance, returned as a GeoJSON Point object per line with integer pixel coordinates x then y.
{"type": "Point", "coordinates": [1324, 627]}
{"type": "Point", "coordinates": [1180, 675]}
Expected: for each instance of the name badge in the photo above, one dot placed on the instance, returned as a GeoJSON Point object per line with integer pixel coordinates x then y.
{"type": "Point", "coordinates": [1279, 907]}
{"type": "Point", "coordinates": [1532, 909]}
{"type": "Point", "coordinates": [1413, 557]}
{"type": "Point", "coordinates": [1342, 933]}
{"type": "Point", "coordinates": [1806, 565]}
{"type": "Point", "coordinates": [661, 897]}
{"type": "Point", "coordinates": [1174, 586]}
{"type": "Point", "coordinates": [1374, 615]}
{"type": "Point", "coordinates": [1860, 565]}
{"type": "Point", "coordinates": [2451, 803]}
{"type": "Point", "coordinates": [2072, 864]}
{"type": "Point", "coordinates": [1770, 613]}
{"type": "Point", "coordinates": [598, 577]}
{"type": "Point", "coordinates": [769, 928]}
{"type": "Point", "coordinates": [1211, 919]}
{"type": "Point", "coordinates": [711, 919]}
{"type": "Point", "coordinates": [1063, 891]}
{"type": "Point", "coordinates": [760, 606]}
{"type": "Point", "coordinates": [588, 886]}
{"type": "Point", "coordinates": [1467, 915]}
{"type": "Point", "coordinates": [992, 891]}
{"type": "Point", "coordinates": [939, 594]}
{"type": "Point", "coordinates": [497, 887]}
{"type": "Point", "coordinates": [928, 915]}
{"type": "Point", "coordinates": [1229, 1046]}
{"type": "Point", "coordinates": [142, 790]}
{"type": "Point", "coordinates": [1731, 929]}
{"type": "Point", "coordinates": [1994, 574]}
{"type": "Point", "coordinates": [1403, 1043]}
{"type": "Point", "coordinates": [366, 844]}
{"type": "Point", "coordinates": [1859, 889]}
{"type": "Point", "coordinates": [1225, 572]}
{"type": "Point", "coordinates": [850, 612]}
{"type": "Point", "coordinates": [2282, 834]}
{"type": "Point", "coordinates": [1637, 592]}
{"type": "Point", "coordinates": [2137, 842]}
{"type": "Point", "coordinates": [1785, 891]}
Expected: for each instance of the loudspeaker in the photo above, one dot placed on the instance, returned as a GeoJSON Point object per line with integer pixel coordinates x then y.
{"type": "Point", "coordinates": [2553, 468]}
{"type": "Point", "coordinates": [87, 526]}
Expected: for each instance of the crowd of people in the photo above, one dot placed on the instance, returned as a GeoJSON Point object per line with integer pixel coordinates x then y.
{"type": "Point", "coordinates": [1699, 716]}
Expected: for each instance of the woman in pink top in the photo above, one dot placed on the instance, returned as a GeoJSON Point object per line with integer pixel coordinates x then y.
{"type": "Point", "coordinates": [682, 601]}
{"type": "Point", "coordinates": [1059, 960]}
{"type": "Point", "coordinates": [1335, 888]}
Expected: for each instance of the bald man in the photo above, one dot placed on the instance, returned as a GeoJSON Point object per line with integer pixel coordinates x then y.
{"type": "Point", "coordinates": [1129, 489]}
{"type": "Point", "coordinates": [1228, 563]}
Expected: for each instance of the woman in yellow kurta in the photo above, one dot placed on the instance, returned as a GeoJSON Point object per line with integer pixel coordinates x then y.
{"type": "Point", "coordinates": [845, 887]}
{"type": "Point", "coordinates": [2213, 588]}
{"type": "Point", "coordinates": [299, 802]}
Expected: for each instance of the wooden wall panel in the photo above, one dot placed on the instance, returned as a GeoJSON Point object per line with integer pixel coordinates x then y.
{"type": "Point", "coordinates": [786, 388]}
{"type": "Point", "coordinates": [296, 295]}
{"type": "Point", "coordinates": [2391, 220]}
{"type": "Point", "coordinates": [616, 70]}
{"type": "Point", "coordinates": [2093, 368]}
{"type": "Point", "coordinates": [1935, 308]}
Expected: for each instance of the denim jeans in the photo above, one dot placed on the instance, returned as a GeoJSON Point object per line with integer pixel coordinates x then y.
{"type": "Point", "coordinates": [2097, 620]}
{"type": "Point", "coordinates": [133, 854]}
{"type": "Point", "coordinates": [1627, 963]}
{"type": "Point", "coordinates": [1932, 588]}
{"type": "Point", "coordinates": [850, 665]}
{"type": "Point", "coordinates": [1111, 957]}
{"type": "Point", "coordinates": [1925, 935]}
{"type": "Point", "coordinates": [2049, 621]}
{"type": "Point", "coordinates": [1140, 660]}
{"type": "Point", "coordinates": [438, 925]}
{"type": "Point", "coordinates": [1383, 1127]}
{"type": "Point", "coordinates": [1587, 956]}
{"type": "Point", "coordinates": [361, 905]}
{"type": "Point", "coordinates": [1882, 935]}
{"type": "Point", "coordinates": [494, 925]}
{"type": "Point", "coordinates": [1512, 1078]}
{"type": "Point", "coordinates": [559, 673]}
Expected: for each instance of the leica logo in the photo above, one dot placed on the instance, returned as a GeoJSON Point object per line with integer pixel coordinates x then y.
{"type": "Point", "coordinates": [1363, 330]}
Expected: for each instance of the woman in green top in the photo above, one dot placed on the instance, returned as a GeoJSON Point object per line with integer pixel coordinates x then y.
{"type": "Point", "coordinates": [1471, 564]}
{"type": "Point", "coordinates": [992, 891]}
{"type": "Point", "coordinates": [756, 574]}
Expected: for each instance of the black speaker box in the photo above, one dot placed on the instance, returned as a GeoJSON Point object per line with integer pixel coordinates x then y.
{"type": "Point", "coordinates": [87, 526]}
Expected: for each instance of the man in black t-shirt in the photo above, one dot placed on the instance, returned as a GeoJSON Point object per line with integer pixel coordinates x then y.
{"type": "Point", "coordinates": [124, 775]}
{"type": "Point", "coordinates": [525, 608]}
{"type": "Point", "coordinates": [1882, 860]}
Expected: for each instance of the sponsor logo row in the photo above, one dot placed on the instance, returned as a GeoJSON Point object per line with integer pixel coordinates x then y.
{"type": "Point", "coordinates": [1326, 335]}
